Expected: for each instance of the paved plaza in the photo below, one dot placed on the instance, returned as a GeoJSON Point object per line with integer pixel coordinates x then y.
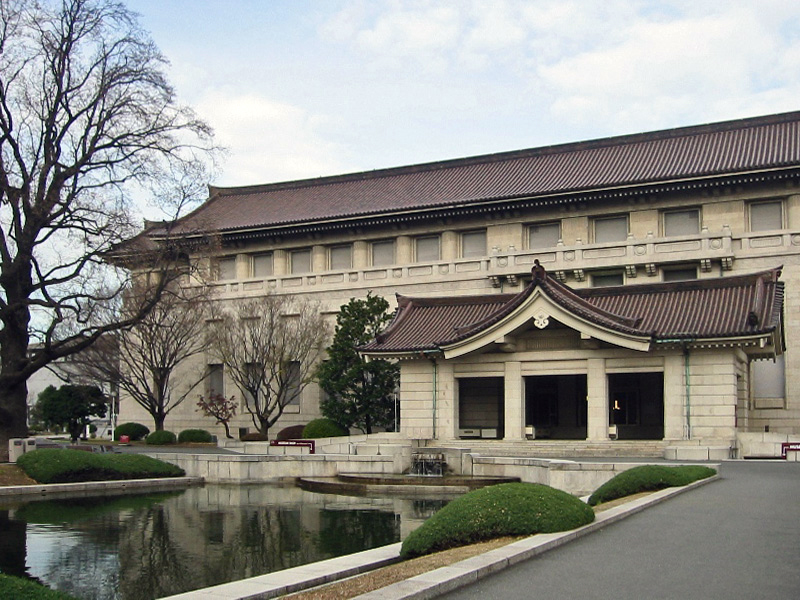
{"type": "Point", "coordinates": [738, 537]}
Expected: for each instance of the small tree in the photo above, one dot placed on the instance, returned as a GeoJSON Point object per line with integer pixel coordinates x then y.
{"type": "Point", "coordinates": [71, 407]}
{"type": "Point", "coordinates": [269, 347]}
{"type": "Point", "coordinates": [143, 361]}
{"type": "Point", "coordinates": [360, 393]}
{"type": "Point", "coordinates": [221, 408]}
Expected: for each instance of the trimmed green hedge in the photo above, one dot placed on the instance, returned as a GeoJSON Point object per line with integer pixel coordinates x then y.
{"type": "Point", "coordinates": [135, 431]}
{"type": "Point", "coordinates": [648, 478]}
{"type": "Point", "coordinates": [496, 511]}
{"type": "Point", "coordinates": [17, 588]}
{"type": "Point", "coordinates": [195, 436]}
{"type": "Point", "coordinates": [161, 438]}
{"type": "Point", "coordinates": [50, 465]}
{"type": "Point", "coordinates": [323, 428]}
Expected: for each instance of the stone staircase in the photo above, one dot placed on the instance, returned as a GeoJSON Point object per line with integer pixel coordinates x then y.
{"type": "Point", "coordinates": [560, 448]}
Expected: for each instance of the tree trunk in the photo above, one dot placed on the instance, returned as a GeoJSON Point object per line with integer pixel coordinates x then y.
{"type": "Point", "coordinates": [227, 430]}
{"type": "Point", "coordinates": [158, 419]}
{"type": "Point", "coordinates": [13, 416]}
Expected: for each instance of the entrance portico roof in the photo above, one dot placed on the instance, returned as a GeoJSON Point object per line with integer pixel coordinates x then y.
{"type": "Point", "coordinates": [733, 310]}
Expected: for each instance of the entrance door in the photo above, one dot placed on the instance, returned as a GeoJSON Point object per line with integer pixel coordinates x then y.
{"type": "Point", "coordinates": [555, 405]}
{"type": "Point", "coordinates": [636, 405]}
{"type": "Point", "coordinates": [481, 407]}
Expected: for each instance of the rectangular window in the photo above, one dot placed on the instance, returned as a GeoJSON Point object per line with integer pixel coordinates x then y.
{"type": "Point", "coordinates": [261, 265]}
{"type": "Point", "coordinates": [473, 244]}
{"type": "Point", "coordinates": [382, 253]}
{"type": "Point", "coordinates": [216, 381]}
{"type": "Point", "coordinates": [340, 257]}
{"type": "Point", "coordinates": [680, 274]}
{"type": "Point", "coordinates": [681, 222]}
{"type": "Point", "coordinates": [300, 261]}
{"type": "Point", "coordinates": [766, 216]}
{"type": "Point", "coordinates": [611, 229]}
{"type": "Point", "coordinates": [226, 268]}
{"type": "Point", "coordinates": [544, 235]}
{"type": "Point", "coordinates": [426, 249]}
{"type": "Point", "coordinates": [607, 279]}
{"type": "Point", "coordinates": [292, 383]}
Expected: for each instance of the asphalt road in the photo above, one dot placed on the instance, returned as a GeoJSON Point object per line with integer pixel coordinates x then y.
{"type": "Point", "coordinates": [738, 537]}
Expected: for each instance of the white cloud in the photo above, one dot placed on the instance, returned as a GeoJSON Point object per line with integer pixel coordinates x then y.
{"type": "Point", "coordinates": [267, 140]}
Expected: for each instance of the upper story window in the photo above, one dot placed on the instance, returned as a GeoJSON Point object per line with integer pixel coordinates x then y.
{"type": "Point", "coordinates": [226, 268]}
{"type": "Point", "coordinates": [544, 235]}
{"type": "Point", "coordinates": [679, 273]}
{"type": "Point", "coordinates": [607, 279]}
{"type": "Point", "coordinates": [611, 229]}
{"type": "Point", "coordinates": [340, 257]}
{"type": "Point", "coordinates": [261, 265]}
{"type": "Point", "coordinates": [766, 216]}
{"type": "Point", "coordinates": [681, 222]}
{"type": "Point", "coordinates": [382, 253]}
{"type": "Point", "coordinates": [427, 249]}
{"type": "Point", "coordinates": [473, 244]}
{"type": "Point", "coordinates": [300, 261]}
{"type": "Point", "coordinates": [215, 382]}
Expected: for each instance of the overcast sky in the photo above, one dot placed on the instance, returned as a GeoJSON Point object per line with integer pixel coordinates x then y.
{"type": "Point", "coordinates": [304, 88]}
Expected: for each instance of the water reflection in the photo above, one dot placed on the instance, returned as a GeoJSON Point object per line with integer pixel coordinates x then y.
{"type": "Point", "coordinates": [145, 547]}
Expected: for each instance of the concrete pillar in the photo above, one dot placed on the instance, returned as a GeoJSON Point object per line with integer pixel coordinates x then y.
{"type": "Point", "coordinates": [514, 402]}
{"type": "Point", "coordinates": [279, 262]}
{"type": "Point", "coordinates": [597, 396]}
{"type": "Point", "coordinates": [450, 245]}
{"type": "Point", "coordinates": [404, 250]}
{"type": "Point", "coordinates": [319, 259]}
{"type": "Point", "coordinates": [242, 266]}
{"type": "Point", "coordinates": [674, 397]}
{"type": "Point", "coordinates": [447, 407]}
{"type": "Point", "coordinates": [360, 254]}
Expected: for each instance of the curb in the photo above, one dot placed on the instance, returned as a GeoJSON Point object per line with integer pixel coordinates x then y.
{"type": "Point", "coordinates": [60, 490]}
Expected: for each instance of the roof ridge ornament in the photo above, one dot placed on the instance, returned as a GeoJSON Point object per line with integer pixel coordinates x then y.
{"type": "Point", "coordinates": [538, 272]}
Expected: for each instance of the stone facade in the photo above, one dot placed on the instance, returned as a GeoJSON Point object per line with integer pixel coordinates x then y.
{"type": "Point", "coordinates": [640, 235]}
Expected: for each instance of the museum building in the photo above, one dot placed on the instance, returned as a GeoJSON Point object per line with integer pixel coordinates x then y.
{"type": "Point", "coordinates": [641, 287]}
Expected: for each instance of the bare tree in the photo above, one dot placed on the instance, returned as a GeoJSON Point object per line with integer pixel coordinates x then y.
{"type": "Point", "coordinates": [87, 121]}
{"type": "Point", "coordinates": [143, 361]}
{"type": "Point", "coordinates": [269, 347]}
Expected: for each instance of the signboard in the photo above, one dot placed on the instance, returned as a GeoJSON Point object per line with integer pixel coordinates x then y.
{"type": "Point", "coordinates": [301, 443]}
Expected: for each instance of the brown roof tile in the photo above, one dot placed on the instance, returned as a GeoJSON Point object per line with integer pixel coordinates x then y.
{"type": "Point", "coordinates": [724, 307]}
{"type": "Point", "coordinates": [715, 150]}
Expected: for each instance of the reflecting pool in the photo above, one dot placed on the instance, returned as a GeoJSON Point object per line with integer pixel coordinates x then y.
{"type": "Point", "coordinates": [149, 546]}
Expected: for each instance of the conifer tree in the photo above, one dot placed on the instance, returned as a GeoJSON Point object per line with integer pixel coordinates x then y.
{"type": "Point", "coordinates": [360, 393]}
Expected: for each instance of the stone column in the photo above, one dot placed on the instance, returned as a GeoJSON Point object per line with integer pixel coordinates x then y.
{"type": "Point", "coordinates": [279, 260]}
{"type": "Point", "coordinates": [674, 397]}
{"type": "Point", "coordinates": [404, 250]}
{"type": "Point", "coordinates": [447, 408]}
{"type": "Point", "coordinates": [514, 402]}
{"type": "Point", "coordinates": [360, 254]}
{"type": "Point", "coordinates": [597, 396]}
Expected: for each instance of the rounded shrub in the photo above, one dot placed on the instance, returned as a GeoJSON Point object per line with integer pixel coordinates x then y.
{"type": "Point", "coordinates": [648, 478]}
{"type": "Point", "coordinates": [194, 436]}
{"type": "Point", "coordinates": [161, 438]}
{"type": "Point", "coordinates": [135, 431]}
{"type": "Point", "coordinates": [294, 432]}
{"type": "Point", "coordinates": [323, 428]}
{"type": "Point", "coordinates": [57, 465]}
{"type": "Point", "coordinates": [496, 511]}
